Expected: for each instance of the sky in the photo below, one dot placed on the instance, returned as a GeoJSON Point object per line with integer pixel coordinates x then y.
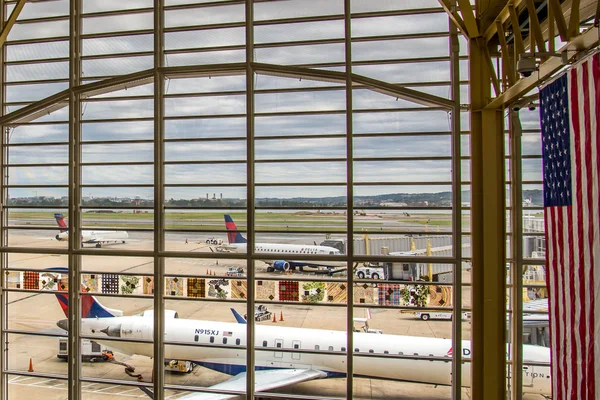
{"type": "Point", "coordinates": [222, 116]}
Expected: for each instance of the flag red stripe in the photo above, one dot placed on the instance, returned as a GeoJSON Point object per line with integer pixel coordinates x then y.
{"type": "Point", "coordinates": [588, 254]}
{"type": "Point", "coordinates": [571, 321]}
{"type": "Point", "coordinates": [592, 324]}
{"type": "Point", "coordinates": [552, 286]}
{"type": "Point", "coordinates": [560, 249]}
{"type": "Point", "coordinates": [577, 261]}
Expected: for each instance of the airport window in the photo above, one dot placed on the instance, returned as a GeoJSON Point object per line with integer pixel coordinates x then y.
{"type": "Point", "coordinates": [287, 136]}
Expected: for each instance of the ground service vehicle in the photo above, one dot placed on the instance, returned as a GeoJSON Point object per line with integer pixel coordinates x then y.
{"type": "Point", "coordinates": [179, 366]}
{"type": "Point", "coordinates": [370, 272]}
{"type": "Point", "coordinates": [235, 271]}
{"type": "Point", "coordinates": [425, 316]}
{"type": "Point", "coordinates": [260, 313]}
{"type": "Point", "coordinates": [90, 350]}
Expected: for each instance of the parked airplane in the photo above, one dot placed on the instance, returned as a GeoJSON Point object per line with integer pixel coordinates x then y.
{"type": "Point", "coordinates": [284, 355]}
{"type": "Point", "coordinates": [90, 237]}
{"type": "Point", "coordinates": [238, 244]}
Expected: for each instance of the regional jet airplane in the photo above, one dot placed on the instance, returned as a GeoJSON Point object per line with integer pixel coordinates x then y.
{"type": "Point", "coordinates": [286, 356]}
{"type": "Point", "coordinates": [90, 237]}
{"type": "Point", "coordinates": [238, 244]}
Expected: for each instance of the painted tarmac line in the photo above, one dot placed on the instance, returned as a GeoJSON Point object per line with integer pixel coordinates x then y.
{"type": "Point", "coordinates": [65, 388]}
{"type": "Point", "coordinates": [23, 378]}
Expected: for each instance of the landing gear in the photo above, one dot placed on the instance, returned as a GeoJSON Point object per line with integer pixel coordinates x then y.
{"type": "Point", "coordinates": [98, 245]}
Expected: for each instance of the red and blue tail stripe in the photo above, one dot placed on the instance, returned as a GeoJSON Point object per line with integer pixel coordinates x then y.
{"type": "Point", "coordinates": [60, 220]}
{"type": "Point", "coordinates": [233, 236]}
{"type": "Point", "coordinates": [90, 306]}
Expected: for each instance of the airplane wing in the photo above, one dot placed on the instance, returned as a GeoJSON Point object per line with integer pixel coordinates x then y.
{"type": "Point", "coordinates": [264, 380]}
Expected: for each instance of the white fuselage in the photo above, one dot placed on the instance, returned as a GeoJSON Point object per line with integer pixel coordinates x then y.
{"type": "Point", "coordinates": [230, 356]}
{"type": "Point", "coordinates": [285, 248]}
{"type": "Point", "coordinates": [290, 252]}
{"type": "Point", "coordinates": [97, 236]}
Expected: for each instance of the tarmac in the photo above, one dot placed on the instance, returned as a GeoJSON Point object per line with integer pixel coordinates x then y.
{"type": "Point", "coordinates": [39, 312]}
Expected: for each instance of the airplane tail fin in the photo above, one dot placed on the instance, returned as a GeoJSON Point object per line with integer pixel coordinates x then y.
{"type": "Point", "coordinates": [60, 220]}
{"type": "Point", "coordinates": [233, 236]}
{"type": "Point", "coordinates": [90, 306]}
{"type": "Point", "coordinates": [238, 317]}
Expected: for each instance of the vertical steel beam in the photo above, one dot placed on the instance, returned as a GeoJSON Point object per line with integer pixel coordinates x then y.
{"type": "Point", "coordinates": [488, 238]}
{"type": "Point", "coordinates": [74, 232]}
{"type": "Point", "coordinates": [250, 196]}
{"type": "Point", "coordinates": [514, 20]}
{"type": "Point", "coordinates": [159, 240]}
{"type": "Point", "coordinates": [551, 33]}
{"type": "Point", "coordinates": [516, 181]}
{"type": "Point", "coordinates": [456, 215]}
{"type": "Point", "coordinates": [467, 12]}
{"type": "Point", "coordinates": [349, 203]}
{"type": "Point", "coordinates": [574, 19]}
{"type": "Point", "coordinates": [561, 24]}
{"type": "Point", "coordinates": [535, 30]}
{"type": "Point", "coordinates": [507, 67]}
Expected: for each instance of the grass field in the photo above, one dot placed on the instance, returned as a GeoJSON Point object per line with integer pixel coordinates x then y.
{"type": "Point", "coordinates": [206, 221]}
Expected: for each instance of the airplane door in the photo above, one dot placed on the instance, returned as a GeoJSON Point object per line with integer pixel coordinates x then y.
{"type": "Point", "coordinates": [296, 345]}
{"type": "Point", "coordinates": [528, 376]}
{"type": "Point", "coordinates": [278, 345]}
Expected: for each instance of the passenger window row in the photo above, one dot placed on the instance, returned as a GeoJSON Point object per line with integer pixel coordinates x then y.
{"type": "Point", "coordinates": [238, 341]}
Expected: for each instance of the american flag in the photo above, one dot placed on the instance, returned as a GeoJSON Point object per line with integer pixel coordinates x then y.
{"type": "Point", "coordinates": [227, 333]}
{"type": "Point", "coordinates": [570, 115]}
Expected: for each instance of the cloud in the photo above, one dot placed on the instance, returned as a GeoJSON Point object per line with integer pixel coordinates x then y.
{"type": "Point", "coordinates": [204, 174]}
{"type": "Point", "coordinates": [299, 172]}
{"type": "Point", "coordinates": [365, 121]}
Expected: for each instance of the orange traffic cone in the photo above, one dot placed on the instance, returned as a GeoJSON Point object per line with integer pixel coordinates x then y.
{"type": "Point", "coordinates": [30, 365]}
{"type": "Point", "coordinates": [281, 316]}
{"type": "Point", "coordinates": [274, 317]}
{"type": "Point", "coordinates": [206, 271]}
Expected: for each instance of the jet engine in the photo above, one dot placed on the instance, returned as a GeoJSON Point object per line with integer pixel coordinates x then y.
{"type": "Point", "coordinates": [281, 265]}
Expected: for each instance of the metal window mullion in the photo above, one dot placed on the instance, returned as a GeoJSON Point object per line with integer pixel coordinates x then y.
{"type": "Point", "coordinates": [74, 182]}
{"type": "Point", "coordinates": [159, 243]}
{"type": "Point", "coordinates": [5, 137]}
{"type": "Point", "coordinates": [517, 255]}
{"type": "Point", "coordinates": [350, 201]}
{"type": "Point", "coordinates": [250, 197]}
{"type": "Point", "coordinates": [456, 214]}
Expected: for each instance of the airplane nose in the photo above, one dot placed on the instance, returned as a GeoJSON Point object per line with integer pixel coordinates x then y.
{"type": "Point", "coordinates": [112, 330]}
{"type": "Point", "coordinates": [63, 324]}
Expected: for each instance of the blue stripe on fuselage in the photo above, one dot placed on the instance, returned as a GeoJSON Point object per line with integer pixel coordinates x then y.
{"type": "Point", "coordinates": [235, 369]}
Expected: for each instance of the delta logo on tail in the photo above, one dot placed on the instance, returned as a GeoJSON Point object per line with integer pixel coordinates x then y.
{"type": "Point", "coordinates": [60, 219]}
{"type": "Point", "coordinates": [233, 235]}
{"type": "Point", "coordinates": [90, 307]}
